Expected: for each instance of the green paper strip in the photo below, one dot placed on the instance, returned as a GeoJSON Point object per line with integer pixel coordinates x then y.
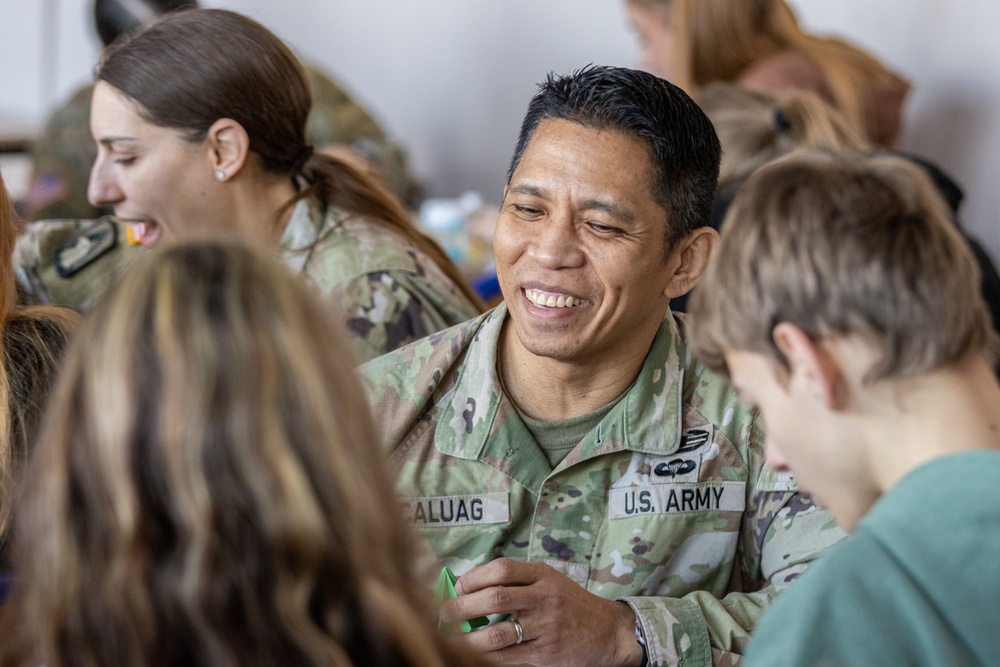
{"type": "Point", "coordinates": [445, 590]}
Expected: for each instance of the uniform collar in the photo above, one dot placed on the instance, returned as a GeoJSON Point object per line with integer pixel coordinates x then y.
{"type": "Point", "coordinates": [468, 415]}
{"type": "Point", "coordinates": [479, 422]}
{"type": "Point", "coordinates": [301, 234]}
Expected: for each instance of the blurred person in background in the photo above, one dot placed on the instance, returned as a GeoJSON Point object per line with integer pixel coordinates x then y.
{"type": "Point", "coordinates": [757, 127]}
{"type": "Point", "coordinates": [759, 44]}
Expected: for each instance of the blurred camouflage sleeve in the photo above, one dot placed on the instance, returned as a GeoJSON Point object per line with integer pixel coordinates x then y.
{"type": "Point", "coordinates": [39, 281]}
{"type": "Point", "coordinates": [781, 532]}
{"type": "Point", "coordinates": [386, 310]}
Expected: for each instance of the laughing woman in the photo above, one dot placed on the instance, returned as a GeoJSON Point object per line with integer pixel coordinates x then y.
{"type": "Point", "coordinates": [200, 123]}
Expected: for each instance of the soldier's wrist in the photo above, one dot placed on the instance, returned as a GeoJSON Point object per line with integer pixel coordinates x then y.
{"type": "Point", "coordinates": [634, 653]}
{"type": "Point", "coordinates": [640, 639]}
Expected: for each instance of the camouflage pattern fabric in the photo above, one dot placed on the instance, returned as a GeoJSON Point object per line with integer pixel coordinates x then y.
{"type": "Point", "coordinates": [38, 280]}
{"type": "Point", "coordinates": [64, 153]}
{"type": "Point", "coordinates": [666, 505]}
{"type": "Point", "coordinates": [390, 292]}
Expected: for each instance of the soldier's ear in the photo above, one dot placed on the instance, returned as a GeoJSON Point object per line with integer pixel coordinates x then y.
{"type": "Point", "coordinates": [228, 145]}
{"type": "Point", "coordinates": [688, 260]}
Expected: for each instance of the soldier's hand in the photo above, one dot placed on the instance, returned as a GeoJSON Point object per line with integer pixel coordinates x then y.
{"type": "Point", "coordinates": [558, 621]}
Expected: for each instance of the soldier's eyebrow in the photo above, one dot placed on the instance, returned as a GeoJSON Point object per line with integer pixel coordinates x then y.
{"type": "Point", "coordinates": [612, 208]}
{"type": "Point", "coordinates": [529, 190]}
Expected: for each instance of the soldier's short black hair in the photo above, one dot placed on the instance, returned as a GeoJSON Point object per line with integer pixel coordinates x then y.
{"type": "Point", "coordinates": [114, 18]}
{"type": "Point", "coordinates": [682, 141]}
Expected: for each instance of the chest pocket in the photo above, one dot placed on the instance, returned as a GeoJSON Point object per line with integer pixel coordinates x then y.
{"type": "Point", "coordinates": [672, 522]}
{"type": "Point", "coordinates": [462, 530]}
{"type": "Point", "coordinates": [670, 538]}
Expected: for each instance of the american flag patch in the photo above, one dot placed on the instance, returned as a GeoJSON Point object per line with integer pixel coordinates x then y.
{"type": "Point", "coordinates": [44, 190]}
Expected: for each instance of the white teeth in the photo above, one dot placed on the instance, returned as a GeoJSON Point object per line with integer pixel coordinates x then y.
{"type": "Point", "coordinates": [549, 300]}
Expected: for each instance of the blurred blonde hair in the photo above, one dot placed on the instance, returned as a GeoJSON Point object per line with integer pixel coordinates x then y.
{"type": "Point", "coordinates": [32, 340]}
{"type": "Point", "coordinates": [716, 40]}
{"type": "Point", "coordinates": [843, 245]}
{"type": "Point", "coordinates": [208, 487]}
{"type": "Point", "coordinates": [757, 127]}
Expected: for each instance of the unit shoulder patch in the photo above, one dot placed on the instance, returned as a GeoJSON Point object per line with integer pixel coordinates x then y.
{"type": "Point", "coordinates": [85, 247]}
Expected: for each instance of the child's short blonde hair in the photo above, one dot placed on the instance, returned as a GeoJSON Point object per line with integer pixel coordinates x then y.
{"type": "Point", "coordinates": [843, 245]}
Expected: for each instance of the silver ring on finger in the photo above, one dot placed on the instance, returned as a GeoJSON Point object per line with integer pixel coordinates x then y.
{"type": "Point", "coordinates": [518, 630]}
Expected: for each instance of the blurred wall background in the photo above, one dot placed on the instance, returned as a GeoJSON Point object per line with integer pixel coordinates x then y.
{"type": "Point", "coordinates": [450, 78]}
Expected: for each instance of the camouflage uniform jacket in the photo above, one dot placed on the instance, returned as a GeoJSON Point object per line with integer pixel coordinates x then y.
{"type": "Point", "coordinates": [389, 292]}
{"type": "Point", "coordinates": [666, 505]}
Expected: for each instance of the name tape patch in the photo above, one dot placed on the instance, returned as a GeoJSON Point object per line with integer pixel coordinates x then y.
{"type": "Point", "coordinates": [447, 511]}
{"type": "Point", "coordinates": [677, 499]}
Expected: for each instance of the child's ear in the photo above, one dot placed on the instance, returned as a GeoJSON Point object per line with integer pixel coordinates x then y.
{"type": "Point", "coordinates": [810, 363]}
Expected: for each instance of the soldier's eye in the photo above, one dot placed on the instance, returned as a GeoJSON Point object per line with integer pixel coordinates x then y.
{"type": "Point", "coordinates": [125, 161]}
{"type": "Point", "coordinates": [604, 229]}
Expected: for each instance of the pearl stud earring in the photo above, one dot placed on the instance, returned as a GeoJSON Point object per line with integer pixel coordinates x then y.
{"type": "Point", "coordinates": [221, 175]}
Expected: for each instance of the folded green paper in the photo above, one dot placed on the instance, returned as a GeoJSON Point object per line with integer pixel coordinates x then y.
{"type": "Point", "coordinates": [445, 590]}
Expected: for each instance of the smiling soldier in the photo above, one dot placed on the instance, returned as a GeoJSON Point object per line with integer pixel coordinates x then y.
{"type": "Point", "coordinates": [624, 514]}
